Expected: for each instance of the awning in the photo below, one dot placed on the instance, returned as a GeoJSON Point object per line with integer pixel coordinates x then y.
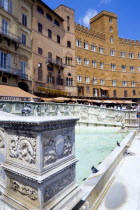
{"type": "Point", "coordinates": [104, 88]}
{"type": "Point", "coordinates": [73, 99]}
{"type": "Point", "coordinates": [118, 101]}
{"type": "Point", "coordinates": [47, 99]}
{"type": "Point", "coordinates": [129, 102]}
{"type": "Point", "coordinates": [15, 93]}
{"type": "Point", "coordinates": [108, 102]}
{"type": "Point", "coordinates": [61, 99]}
{"type": "Point", "coordinates": [95, 101]}
{"type": "Point", "coordinates": [81, 99]}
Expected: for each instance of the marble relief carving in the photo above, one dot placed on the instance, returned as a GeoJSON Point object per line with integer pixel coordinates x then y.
{"type": "Point", "coordinates": [23, 148]}
{"type": "Point", "coordinates": [57, 146]}
{"type": "Point", "coordinates": [119, 117]}
{"type": "Point", "coordinates": [23, 189]}
{"type": "Point", "coordinates": [60, 182]}
{"type": "Point", "coordinates": [2, 145]}
{"type": "Point", "coordinates": [83, 113]}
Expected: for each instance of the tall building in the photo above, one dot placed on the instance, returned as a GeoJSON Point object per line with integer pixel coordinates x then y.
{"type": "Point", "coordinates": [53, 48]}
{"type": "Point", "coordinates": [107, 66]}
{"type": "Point", "coordinates": [15, 43]}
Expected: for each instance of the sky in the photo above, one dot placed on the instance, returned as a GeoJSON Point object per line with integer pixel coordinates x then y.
{"type": "Point", "coordinates": [128, 12]}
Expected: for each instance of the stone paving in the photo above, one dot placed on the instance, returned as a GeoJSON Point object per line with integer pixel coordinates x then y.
{"type": "Point", "coordinates": [124, 194]}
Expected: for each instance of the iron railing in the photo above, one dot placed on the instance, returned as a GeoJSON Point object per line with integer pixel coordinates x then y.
{"type": "Point", "coordinates": [55, 62]}
{"type": "Point", "coordinates": [10, 35]}
{"type": "Point", "coordinates": [13, 71]}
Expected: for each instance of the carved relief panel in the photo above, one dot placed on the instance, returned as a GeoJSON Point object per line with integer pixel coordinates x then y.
{"type": "Point", "coordinates": [57, 144]}
{"type": "Point", "coordinates": [23, 189]}
{"type": "Point", "coordinates": [59, 182]}
{"type": "Point", "coordinates": [2, 139]}
{"type": "Point", "coordinates": [22, 148]}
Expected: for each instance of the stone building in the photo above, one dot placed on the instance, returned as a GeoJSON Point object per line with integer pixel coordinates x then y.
{"type": "Point", "coordinates": [53, 48]}
{"type": "Point", "coordinates": [107, 66]}
{"type": "Point", "coordinates": [15, 43]}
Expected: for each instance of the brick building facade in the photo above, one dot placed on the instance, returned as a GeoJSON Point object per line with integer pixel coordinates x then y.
{"type": "Point", "coordinates": [53, 48]}
{"type": "Point", "coordinates": [107, 66]}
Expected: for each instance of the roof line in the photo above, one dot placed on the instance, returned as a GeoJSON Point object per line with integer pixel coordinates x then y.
{"type": "Point", "coordinates": [51, 10]}
{"type": "Point", "coordinates": [64, 6]}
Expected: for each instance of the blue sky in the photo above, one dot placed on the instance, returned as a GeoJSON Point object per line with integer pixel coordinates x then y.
{"type": "Point", "coordinates": [127, 11]}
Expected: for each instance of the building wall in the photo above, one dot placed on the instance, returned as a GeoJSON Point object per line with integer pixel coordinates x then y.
{"type": "Point", "coordinates": [41, 63]}
{"type": "Point", "coordinates": [11, 44]}
{"type": "Point", "coordinates": [99, 35]}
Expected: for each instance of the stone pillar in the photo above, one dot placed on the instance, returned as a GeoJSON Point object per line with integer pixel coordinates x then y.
{"type": "Point", "coordinates": [40, 161]}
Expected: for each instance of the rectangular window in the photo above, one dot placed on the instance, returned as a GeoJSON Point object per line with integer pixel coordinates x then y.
{"type": "Point", "coordinates": [87, 79]}
{"type": "Point", "coordinates": [94, 64]}
{"type": "Point", "coordinates": [93, 48]}
{"type": "Point", "coordinates": [94, 80]}
{"type": "Point", "coordinates": [39, 50]}
{"type": "Point", "coordinates": [58, 39]}
{"type": "Point", "coordinates": [86, 62]}
{"type": "Point", "coordinates": [79, 60]}
{"type": "Point", "coordinates": [113, 66]}
{"type": "Point", "coordinates": [40, 27]}
{"type": "Point", "coordinates": [3, 60]}
{"type": "Point", "coordinates": [131, 55]}
{"type": "Point", "coordinates": [4, 26]}
{"type": "Point", "coordinates": [124, 83]}
{"type": "Point", "coordinates": [123, 67]}
{"type": "Point", "coordinates": [122, 54]}
{"type": "Point", "coordinates": [102, 81]}
{"type": "Point", "coordinates": [23, 67]}
{"type": "Point", "coordinates": [133, 84]}
{"type": "Point", "coordinates": [138, 55]}
{"type": "Point", "coordinates": [95, 92]}
{"type": "Point", "coordinates": [114, 82]}
{"type": "Point", "coordinates": [49, 33]}
{"type": "Point", "coordinates": [132, 68]}
{"type": "Point", "coordinates": [112, 52]}
{"type": "Point", "coordinates": [78, 43]}
{"type": "Point", "coordinates": [6, 5]}
{"type": "Point", "coordinates": [101, 50]}
{"type": "Point", "coordinates": [24, 19]}
{"type": "Point", "coordinates": [85, 45]}
{"type": "Point", "coordinates": [79, 78]}
{"type": "Point", "coordinates": [101, 65]}
{"type": "Point", "coordinates": [134, 92]}
{"type": "Point", "coordinates": [24, 39]}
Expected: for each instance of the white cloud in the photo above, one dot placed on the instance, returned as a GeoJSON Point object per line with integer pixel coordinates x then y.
{"type": "Point", "coordinates": [105, 1]}
{"type": "Point", "coordinates": [86, 19]}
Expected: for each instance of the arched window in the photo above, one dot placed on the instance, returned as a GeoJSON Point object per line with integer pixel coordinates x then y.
{"type": "Point", "coordinates": [40, 10]}
{"type": "Point", "coordinates": [56, 22]}
{"type": "Point", "coordinates": [49, 17]}
{"type": "Point", "coordinates": [68, 44]}
{"type": "Point", "coordinates": [111, 39]}
{"type": "Point", "coordinates": [110, 20]}
{"type": "Point", "coordinates": [68, 19]}
{"type": "Point", "coordinates": [111, 29]}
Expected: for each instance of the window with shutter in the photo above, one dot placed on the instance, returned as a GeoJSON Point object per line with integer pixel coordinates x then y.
{"type": "Point", "coordinates": [24, 19]}
{"type": "Point", "coordinates": [4, 26]}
